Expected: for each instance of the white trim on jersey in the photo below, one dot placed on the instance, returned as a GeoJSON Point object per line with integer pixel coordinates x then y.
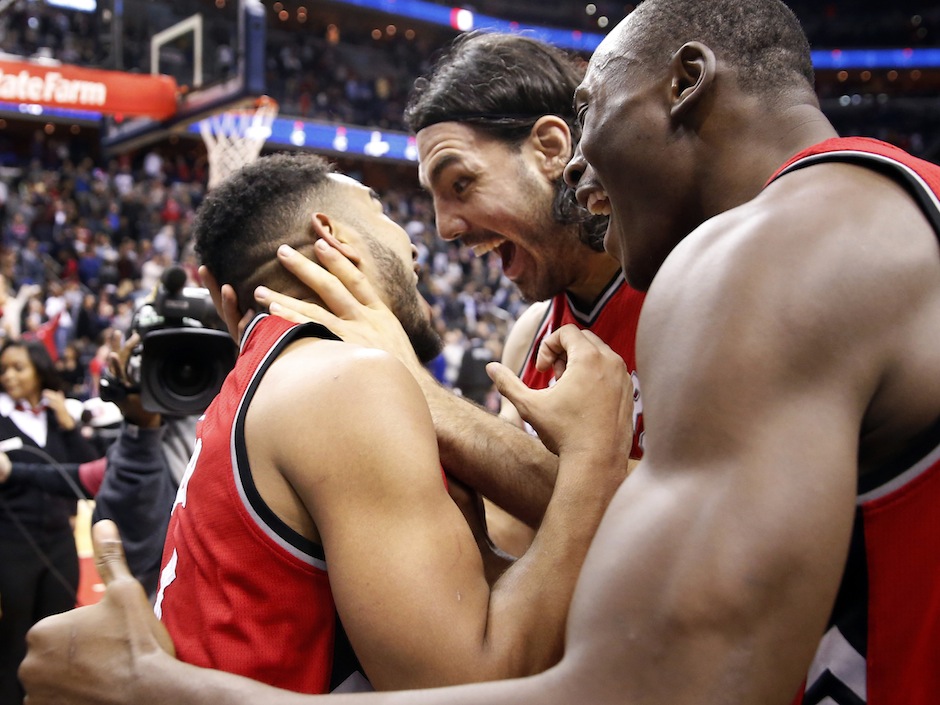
{"type": "Point", "coordinates": [899, 481]}
{"type": "Point", "coordinates": [587, 318]}
{"type": "Point", "coordinates": [251, 325]}
{"type": "Point", "coordinates": [242, 494]}
{"type": "Point", "coordinates": [838, 657]}
{"type": "Point", "coordinates": [828, 156]}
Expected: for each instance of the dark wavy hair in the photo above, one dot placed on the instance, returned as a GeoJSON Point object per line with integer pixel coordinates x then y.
{"type": "Point", "coordinates": [502, 84]}
{"type": "Point", "coordinates": [41, 361]}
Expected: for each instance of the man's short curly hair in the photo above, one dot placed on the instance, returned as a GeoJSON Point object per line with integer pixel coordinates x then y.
{"type": "Point", "coordinates": [241, 223]}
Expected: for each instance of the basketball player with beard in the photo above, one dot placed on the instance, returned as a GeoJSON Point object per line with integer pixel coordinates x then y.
{"type": "Point", "coordinates": [778, 542]}
{"type": "Point", "coordinates": [494, 128]}
{"type": "Point", "coordinates": [315, 506]}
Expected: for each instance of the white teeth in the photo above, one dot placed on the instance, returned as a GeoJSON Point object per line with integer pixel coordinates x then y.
{"type": "Point", "coordinates": [598, 204]}
{"type": "Point", "coordinates": [484, 247]}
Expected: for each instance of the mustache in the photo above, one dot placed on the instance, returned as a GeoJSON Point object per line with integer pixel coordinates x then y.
{"type": "Point", "coordinates": [567, 211]}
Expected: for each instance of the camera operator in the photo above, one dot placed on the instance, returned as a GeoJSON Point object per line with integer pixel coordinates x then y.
{"type": "Point", "coordinates": [144, 468]}
{"type": "Point", "coordinates": [162, 378]}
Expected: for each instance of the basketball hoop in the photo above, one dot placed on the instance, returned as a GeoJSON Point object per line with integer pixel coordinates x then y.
{"type": "Point", "coordinates": [235, 138]}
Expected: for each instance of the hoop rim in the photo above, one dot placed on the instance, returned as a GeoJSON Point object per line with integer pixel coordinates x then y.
{"type": "Point", "coordinates": [235, 137]}
{"type": "Point", "coordinates": [266, 101]}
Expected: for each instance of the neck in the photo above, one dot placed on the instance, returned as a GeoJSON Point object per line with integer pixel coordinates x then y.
{"type": "Point", "coordinates": [757, 144]}
{"type": "Point", "coordinates": [598, 269]}
{"type": "Point", "coordinates": [32, 400]}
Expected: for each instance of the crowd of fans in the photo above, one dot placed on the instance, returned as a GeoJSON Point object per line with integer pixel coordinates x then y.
{"type": "Point", "coordinates": [83, 239]}
{"type": "Point", "coordinates": [359, 71]}
{"type": "Point", "coordinates": [358, 80]}
{"type": "Point", "coordinates": [83, 242]}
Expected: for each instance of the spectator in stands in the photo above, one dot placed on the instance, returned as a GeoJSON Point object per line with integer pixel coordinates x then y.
{"type": "Point", "coordinates": [72, 372]}
{"type": "Point", "coordinates": [472, 380]}
{"type": "Point", "coordinates": [89, 323]}
{"type": "Point", "coordinates": [31, 269]}
{"type": "Point", "coordinates": [38, 559]}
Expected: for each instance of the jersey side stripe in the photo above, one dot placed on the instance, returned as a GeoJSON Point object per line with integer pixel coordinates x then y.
{"type": "Point", "coordinates": [238, 469]}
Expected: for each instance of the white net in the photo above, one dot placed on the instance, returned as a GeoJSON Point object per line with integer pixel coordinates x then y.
{"type": "Point", "coordinates": [235, 138]}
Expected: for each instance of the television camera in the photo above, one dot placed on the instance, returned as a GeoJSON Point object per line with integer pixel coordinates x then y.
{"type": "Point", "coordinates": [182, 358]}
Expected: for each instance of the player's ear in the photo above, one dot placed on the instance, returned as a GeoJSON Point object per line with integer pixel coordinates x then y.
{"type": "Point", "coordinates": [693, 69]}
{"type": "Point", "coordinates": [550, 140]}
{"type": "Point", "coordinates": [225, 300]}
{"type": "Point", "coordinates": [322, 226]}
{"type": "Point", "coordinates": [208, 280]}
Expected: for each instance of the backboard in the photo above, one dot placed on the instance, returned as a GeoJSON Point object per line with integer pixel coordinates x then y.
{"type": "Point", "coordinates": [214, 49]}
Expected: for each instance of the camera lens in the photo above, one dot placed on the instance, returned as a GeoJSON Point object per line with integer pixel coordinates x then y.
{"type": "Point", "coordinates": [182, 369]}
{"type": "Point", "coordinates": [185, 375]}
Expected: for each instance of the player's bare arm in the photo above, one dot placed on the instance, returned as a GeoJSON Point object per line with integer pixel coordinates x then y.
{"type": "Point", "coordinates": [145, 673]}
{"type": "Point", "coordinates": [508, 532]}
{"type": "Point", "coordinates": [404, 567]}
{"type": "Point", "coordinates": [729, 567]}
{"type": "Point", "coordinates": [518, 343]}
{"type": "Point", "coordinates": [502, 462]}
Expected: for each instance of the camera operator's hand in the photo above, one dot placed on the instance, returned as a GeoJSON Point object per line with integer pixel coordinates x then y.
{"type": "Point", "coordinates": [130, 405]}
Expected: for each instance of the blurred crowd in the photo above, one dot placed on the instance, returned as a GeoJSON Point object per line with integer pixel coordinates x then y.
{"type": "Point", "coordinates": [360, 70]}
{"type": "Point", "coordinates": [83, 239]}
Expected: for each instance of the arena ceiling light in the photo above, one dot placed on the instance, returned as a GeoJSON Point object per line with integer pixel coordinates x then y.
{"type": "Point", "coordinates": [463, 20]}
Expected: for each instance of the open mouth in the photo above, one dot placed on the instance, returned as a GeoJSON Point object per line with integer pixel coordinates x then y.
{"type": "Point", "coordinates": [506, 250]}
{"type": "Point", "coordinates": [483, 248]}
{"type": "Point", "coordinates": [598, 203]}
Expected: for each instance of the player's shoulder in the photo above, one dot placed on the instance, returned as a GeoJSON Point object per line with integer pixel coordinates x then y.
{"type": "Point", "coordinates": [318, 391]}
{"type": "Point", "coordinates": [522, 334]}
{"type": "Point", "coordinates": [532, 316]}
{"type": "Point", "coordinates": [861, 197]}
{"type": "Point", "coordinates": [837, 233]}
{"type": "Point", "coordinates": [336, 369]}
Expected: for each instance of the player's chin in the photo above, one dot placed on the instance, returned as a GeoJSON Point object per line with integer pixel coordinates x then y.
{"type": "Point", "coordinates": [532, 288]}
{"type": "Point", "coordinates": [613, 241]}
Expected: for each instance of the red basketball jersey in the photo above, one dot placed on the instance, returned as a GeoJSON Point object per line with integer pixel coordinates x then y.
{"type": "Point", "coordinates": [613, 317]}
{"type": "Point", "coordinates": [240, 591]}
{"type": "Point", "coordinates": [882, 645]}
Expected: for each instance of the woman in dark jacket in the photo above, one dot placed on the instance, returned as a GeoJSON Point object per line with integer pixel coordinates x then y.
{"type": "Point", "coordinates": [38, 558]}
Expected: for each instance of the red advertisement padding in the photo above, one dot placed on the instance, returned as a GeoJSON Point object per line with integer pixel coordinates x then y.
{"type": "Point", "coordinates": [66, 86]}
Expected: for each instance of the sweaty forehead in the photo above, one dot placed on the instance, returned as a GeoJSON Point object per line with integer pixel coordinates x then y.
{"type": "Point", "coordinates": [602, 56]}
{"type": "Point", "coordinates": [619, 46]}
{"type": "Point", "coordinates": [603, 62]}
{"type": "Point", "coordinates": [447, 144]}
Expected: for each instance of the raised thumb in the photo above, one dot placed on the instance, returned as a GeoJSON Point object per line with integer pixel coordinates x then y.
{"type": "Point", "coordinates": [109, 552]}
